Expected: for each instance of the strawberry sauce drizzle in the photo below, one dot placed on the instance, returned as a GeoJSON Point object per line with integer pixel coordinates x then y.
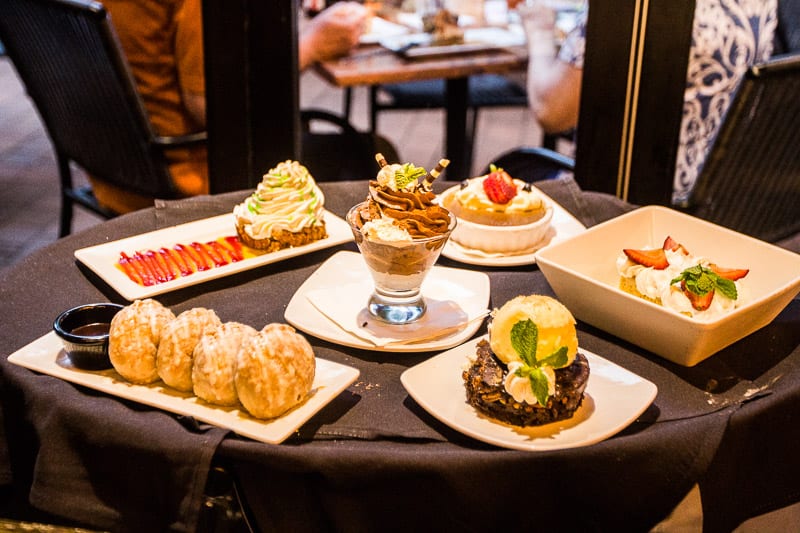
{"type": "Point", "coordinates": [150, 267]}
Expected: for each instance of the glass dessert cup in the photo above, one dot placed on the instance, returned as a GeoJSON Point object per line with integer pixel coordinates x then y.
{"type": "Point", "coordinates": [398, 269]}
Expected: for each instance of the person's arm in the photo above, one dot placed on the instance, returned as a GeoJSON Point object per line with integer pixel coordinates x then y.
{"type": "Point", "coordinates": [189, 60]}
{"type": "Point", "coordinates": [554, 85]}
{"type": "Point", "coordinates": [332, 33]}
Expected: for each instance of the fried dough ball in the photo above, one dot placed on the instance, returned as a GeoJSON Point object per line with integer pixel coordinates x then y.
{"type": "Point", "coordinates": [133, 339]}
{"type": "Point", "coordinates": [175, 354]}
{"type": "Point", "coordinates": [214, 369]}
{"type": "Point", "coordinates": [275, 371]}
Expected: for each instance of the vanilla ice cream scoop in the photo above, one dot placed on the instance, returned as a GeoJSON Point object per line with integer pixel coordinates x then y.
{"type": "Point", "coordinates": [555, 327]}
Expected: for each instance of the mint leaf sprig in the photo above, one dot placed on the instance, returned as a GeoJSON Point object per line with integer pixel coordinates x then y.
{"type": "Point", "coordinates": [524, 340]}
{"type": "Point", "coordinates": [701, 280]}
{"type": "Point", "coordinates": [408, 173]}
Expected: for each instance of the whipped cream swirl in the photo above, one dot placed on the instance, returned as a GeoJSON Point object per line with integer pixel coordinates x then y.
{"type": "Point", "coordinates": [287, 199]}
{"type": "Point", "coordinates": [519, 387]}
{"type": "Point", "coordinates": [656, 285]}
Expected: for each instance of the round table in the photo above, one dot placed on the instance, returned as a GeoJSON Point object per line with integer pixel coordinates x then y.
{"type": "Point", "coordinates": [373, 459]}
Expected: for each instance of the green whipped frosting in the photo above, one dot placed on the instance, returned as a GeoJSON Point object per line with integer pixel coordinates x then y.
{"type": "Point", "coordinates": [287, 198]}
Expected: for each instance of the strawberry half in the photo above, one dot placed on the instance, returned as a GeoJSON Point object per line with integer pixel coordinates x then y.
{"type": "Point", "coordinates": [655, 258]}
{"type": "Point", "coordinates": [674, 246]}
{"type": "Point", "coordinates": [700, 302]}
{"type": "Point", "coordinates": [499, 187]}
{"type": "Point", "coordinates": [729, 273]}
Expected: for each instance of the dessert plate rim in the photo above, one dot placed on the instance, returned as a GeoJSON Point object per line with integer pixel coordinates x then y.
{"type": "Point", "coordinates": [615, 397]}
{"type": "Point", "coordinates": [348, 267]}
{"type": "Point", "coordinates": [102, 258]}
{"type": "Point", "coordinates": [562, 227]}
{"type": "Point", "coordinates": [46, 355]}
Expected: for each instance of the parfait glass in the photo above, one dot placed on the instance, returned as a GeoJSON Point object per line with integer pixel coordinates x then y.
{"type": "Point", "coordinates": [398, 269]}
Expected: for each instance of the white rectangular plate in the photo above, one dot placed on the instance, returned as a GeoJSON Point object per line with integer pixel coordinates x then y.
{"type": "Point", "coordinates": [102, 258]}
{"type": "Point", "coordinates": [379, 28]}
{"type": "Point", "coordinates": [46, 355]}
{"type": "Point", "coordinates": [468, 288]}
{"type": "Point", "coordinates": [614, 398]}
{"type": "Point", "coordinates": [562, 226]}
{"type": "Point", "coordinates": [417, 45]}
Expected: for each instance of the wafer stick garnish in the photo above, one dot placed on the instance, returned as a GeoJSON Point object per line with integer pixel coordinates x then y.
{"type": "Point", "coordinates": [381, 160]}
{"type": "Point", "coordinates": [435, 173]}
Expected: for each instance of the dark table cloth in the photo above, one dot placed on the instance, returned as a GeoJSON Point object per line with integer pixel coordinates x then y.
{"type": "Point", "coordinates": [373, 459]}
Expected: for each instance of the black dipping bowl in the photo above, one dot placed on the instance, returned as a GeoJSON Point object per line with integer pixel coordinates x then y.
{"type": "Point", "coordinates": [84, 331]}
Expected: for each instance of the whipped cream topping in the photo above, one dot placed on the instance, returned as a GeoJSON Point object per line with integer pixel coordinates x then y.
{"type": "Point", "coordinates": [472, 196]}
{"type": "Point", "coordinates": [287, 198]}
{"type": "Point", "coordinates": [656, 285]}
{"type": "Point", "coordinates": [519, 387]}
{"type": "Point", "coordinates": [384, 229]}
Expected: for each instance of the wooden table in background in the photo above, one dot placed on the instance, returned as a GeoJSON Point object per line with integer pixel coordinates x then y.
{"type": "Point", "coordinates": [373, 65]}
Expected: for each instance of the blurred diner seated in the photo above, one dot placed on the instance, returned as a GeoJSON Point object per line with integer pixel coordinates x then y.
{"type": "Point", "coordinates": [163, 43]}
{"type": "Point", "coordinates": [728, 37]}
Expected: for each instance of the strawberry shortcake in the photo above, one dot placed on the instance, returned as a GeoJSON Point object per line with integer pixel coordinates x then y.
{"type": "Point", "coordinates": [674, 278]}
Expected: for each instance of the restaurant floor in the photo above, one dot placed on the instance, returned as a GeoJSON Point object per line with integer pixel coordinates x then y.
{"type": "Point", "coordinates": [29, 193]}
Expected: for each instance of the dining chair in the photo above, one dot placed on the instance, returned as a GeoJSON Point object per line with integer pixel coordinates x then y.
{"type": "Point", "coordinates": [332, 149]}
{"type": "Point", "coordinates": [533, 163]}
{"type": "Point", "coordinates": [69, 59]}
{"type": "Point", "coordinates": [787, 34]}
{"type": "Point", "coordinates": [751, 178]}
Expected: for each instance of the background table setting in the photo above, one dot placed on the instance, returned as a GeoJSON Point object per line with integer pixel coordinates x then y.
{"type": "Point", "coordinates": [388, 451]}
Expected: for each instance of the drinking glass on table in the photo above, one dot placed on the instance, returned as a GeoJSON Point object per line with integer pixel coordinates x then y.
{"type": "Point", "coordinates": [398, 268]}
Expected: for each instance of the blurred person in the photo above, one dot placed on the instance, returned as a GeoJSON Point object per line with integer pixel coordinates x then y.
{"type": "Point", "coordinates": [163, 43]}
{"type": "Point", "coordinates": [728, 37]}
{"type": "Point", "coordinates": [554, 75]}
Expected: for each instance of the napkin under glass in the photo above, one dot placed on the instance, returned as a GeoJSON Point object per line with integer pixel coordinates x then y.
{"type": "Point", "coordinates": [345, 305]}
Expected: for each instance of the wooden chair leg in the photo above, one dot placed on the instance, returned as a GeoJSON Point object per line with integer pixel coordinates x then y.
{"type": "Point", "coordinates": [348, 102]}
{"type": "Point", "coordinates": [373, 109]}
{"type": "Point", "coordinates": [550, 141]}
{"type": "Point", "coordinates": [67, 204]}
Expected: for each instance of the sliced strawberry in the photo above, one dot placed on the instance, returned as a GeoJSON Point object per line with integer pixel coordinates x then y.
{"type": "Point", "coordinates": [729, 273]}
{"type": "Point", "coordinates": [184, 267]}
{"type": "Point", "coordinates": [700, 302]}
{"type": "Point", "coordinates": [674, 246]}
{"type": "Point", "coordinates": [499, 187]}
{"type": "Point", "coordinates": [222, 251]}
{"type": "Point", "coordinates": [126, 263]}
{"type": "Point", "coordinates": [655, 258]}
{"type": "Point", "coordinates": [215, 256]}
{"type": "Point", "coordinates": [235, 247]}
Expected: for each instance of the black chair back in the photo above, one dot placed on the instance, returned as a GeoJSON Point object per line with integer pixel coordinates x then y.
{"type": "Point", "coordinates": [751, 178]}
{"type": "Point", "coordinates": [334, 150]}
{"type": "Point", "coordinates": [67, 55]}
{"type": "Point", "coordinates": [787, 34]}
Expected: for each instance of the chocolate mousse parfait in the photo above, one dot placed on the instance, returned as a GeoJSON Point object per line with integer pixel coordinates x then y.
{"type": "Point", "coordinates": [400, 232]}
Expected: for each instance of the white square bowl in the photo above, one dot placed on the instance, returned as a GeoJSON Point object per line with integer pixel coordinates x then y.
{"type": "Point", "coordinates": [582, 272]}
